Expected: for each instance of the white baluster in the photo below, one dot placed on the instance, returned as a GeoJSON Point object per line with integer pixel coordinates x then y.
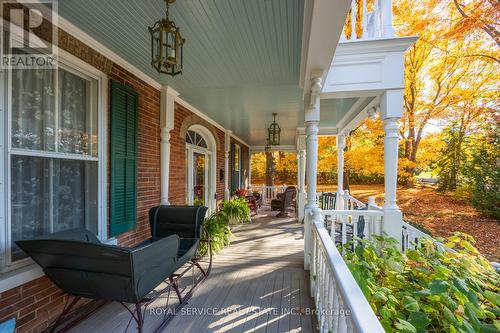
{"type": "Point", "coordinates": [353, 20]}
{"type": "Point", "coordinates": [314, 259]}
{"type": "Point", "coordinates": [354, 223]}
{"type": "Point", "coordinates": [329, 301]}
{"type": "Point", "coordinates": [364, 21]}
{"type": "Point", "coordinates": [386, 18]}
{"type": "Point", "coordinates": [377, 25]}
{"type": "Point", "coordinates": [342, 328]}
{"type": "Point", "coordinates": [344, 233]}
{"type": "Point", "coordinates": [336, 307]}
{"type": "Point", "coordinates": [349, 324]}
{"type": "Point", "coordinates": [322, 306]}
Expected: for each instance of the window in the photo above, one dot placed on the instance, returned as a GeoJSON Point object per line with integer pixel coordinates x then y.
{"type": "Point", "coordinates": [195, 139]}
{"type": "Point", "coordinates": [52, 166]}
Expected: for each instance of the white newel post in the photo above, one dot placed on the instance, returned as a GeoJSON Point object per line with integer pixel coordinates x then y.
{"type": "Point", "coordinates": [391, 109]}
{"type": "Point", "coordinates": [167, 102]}
{"type": "Point", "coordinates": [227, 153]}
{"type": "Point", "coordinates": [340, 171]}
{"type": "Point", "coordinates": [312, 116]}
{"type": "Point", "coordinates": [301, 176]}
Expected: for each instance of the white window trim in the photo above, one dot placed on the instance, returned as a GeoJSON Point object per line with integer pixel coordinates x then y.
{"type": "Point", "coordinates": [25, 270]}
{"type": "Point", "coordinates": [190, 149]}
{"type": "Point", "coordinates": [212, 150]}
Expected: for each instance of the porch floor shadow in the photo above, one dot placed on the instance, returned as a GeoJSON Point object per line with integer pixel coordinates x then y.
{"type": "Point", "coordinates": [257, 284]}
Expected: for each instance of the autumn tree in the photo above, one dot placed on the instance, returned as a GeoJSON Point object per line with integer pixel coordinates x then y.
{"type": "Point", "coordinates": [439, 71]}
{"type": "Point", "coordinates": [478, 16]}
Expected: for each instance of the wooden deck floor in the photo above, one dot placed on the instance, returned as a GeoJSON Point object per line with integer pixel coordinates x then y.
{"type": "Point", "coordinates": [257, 285]}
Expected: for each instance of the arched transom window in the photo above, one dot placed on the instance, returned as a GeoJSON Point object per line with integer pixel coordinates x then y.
{"type": "Point", "coordinates": [195, 139]}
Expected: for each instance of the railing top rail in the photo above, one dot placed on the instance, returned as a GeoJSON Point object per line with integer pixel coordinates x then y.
{"type": "Point", "coordinates": [369, 212]}
{"type": "Point", "coordinates": [363, 317]}
{"type": "Point", "coordinates": [374, 207]}
{"type": "Point", "coordinates": [417, 231]}
{"type": "Point", "coordinates": [348, 196]}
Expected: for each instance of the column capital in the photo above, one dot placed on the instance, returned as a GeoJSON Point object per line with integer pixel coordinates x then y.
{"type": "Point", "coordinates": [341, 141]}
{"type": "Point", "coordinates": [165, 134]}
{"type": "Point", "coordinates": [312, 127]}
{"type": "Point", "coordinates": [391, 127]}
{"type": "Point", "coordinates": [227, 140]}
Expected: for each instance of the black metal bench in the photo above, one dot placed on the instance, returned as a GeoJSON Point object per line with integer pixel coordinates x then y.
{"type": "Point", "coordinates": [81, 266]}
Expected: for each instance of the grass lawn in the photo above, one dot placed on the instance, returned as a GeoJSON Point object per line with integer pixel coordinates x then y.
{"type": "Point", "coordinates": [439, 213]}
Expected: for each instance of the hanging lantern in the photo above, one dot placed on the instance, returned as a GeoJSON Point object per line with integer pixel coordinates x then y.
{"type": "Point", "coordinates": [274, 132]}
{"type": "Point", "coordinates": [166, 45]}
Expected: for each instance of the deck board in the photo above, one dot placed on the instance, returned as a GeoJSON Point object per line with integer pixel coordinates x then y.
{"type": "Point", "coordinates": [257, 285]}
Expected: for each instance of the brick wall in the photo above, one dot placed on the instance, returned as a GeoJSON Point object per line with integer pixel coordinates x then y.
{"type": "Point", "coordinates": [37, 303]}
{"type": "Point", "coordinates": [245, 155]}
{"type": "Point", "coordinates": [183, 119]}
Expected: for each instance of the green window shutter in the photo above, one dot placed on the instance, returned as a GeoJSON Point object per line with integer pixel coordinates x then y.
{"type": "Point", "coordinates": [123, 184]}
{"type": "Point", "coordinates": [234, 174]}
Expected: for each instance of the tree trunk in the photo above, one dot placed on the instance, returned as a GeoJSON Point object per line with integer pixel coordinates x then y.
{"type": "Point", "coordinates": [346, 180]}
{"type": "Point", "coordinates": [270, 169]}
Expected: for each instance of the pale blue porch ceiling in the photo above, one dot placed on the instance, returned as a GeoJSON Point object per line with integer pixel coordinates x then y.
{"type": "Point", "coordinates": [242, 57]}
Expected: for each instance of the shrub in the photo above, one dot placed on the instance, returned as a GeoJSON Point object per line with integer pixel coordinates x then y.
{"type": "Point", "coordinates": [217, 226]}
{"type": "Point", "coordinates": [483, 173]}
{"type": "Point", "coordinates": [428, 289]}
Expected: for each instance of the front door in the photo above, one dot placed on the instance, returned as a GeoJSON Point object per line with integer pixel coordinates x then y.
{"type": "Point", "coordinates": [200, 177]}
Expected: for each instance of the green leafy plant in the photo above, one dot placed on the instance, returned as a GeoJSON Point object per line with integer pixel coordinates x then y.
{"type": "Point", "coordinates": [429, 289]}
{"type": "Point", "coordinates": [217, 225]}
{"type": "Point", "coordinates": [236, 209]}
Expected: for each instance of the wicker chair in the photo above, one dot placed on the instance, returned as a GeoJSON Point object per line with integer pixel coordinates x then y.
{"type": "Point", "coordinates": [284, 201]}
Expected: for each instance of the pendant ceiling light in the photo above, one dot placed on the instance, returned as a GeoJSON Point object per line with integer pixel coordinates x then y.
{"type": "Point", "coordinates": [166, 45]}
{"type": "Point", "coordinates": [274, 132]}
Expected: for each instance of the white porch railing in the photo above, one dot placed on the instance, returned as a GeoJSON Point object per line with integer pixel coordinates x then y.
{"type": "Point", "coordinates": [351, 203]}
{"type": "Point", "coordinates": [373, 19]}
{"type": "Point", "coordinates": [351, 219]}
{"type": "Point", "coordinates": [412, 236]}
{"type": "Point", "coordinates": [340, 303]}
{"type": "Point", "coordinates": [268, 193]}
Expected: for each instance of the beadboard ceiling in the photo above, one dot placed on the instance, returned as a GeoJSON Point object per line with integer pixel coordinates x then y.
{"type": "Point", "coordinates": [241, 57]}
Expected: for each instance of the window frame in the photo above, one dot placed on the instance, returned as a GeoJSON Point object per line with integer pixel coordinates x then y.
{"type": "Point", "coordinates": [78, 67]}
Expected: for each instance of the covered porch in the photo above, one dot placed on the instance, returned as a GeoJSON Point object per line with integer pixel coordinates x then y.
{"type": "Point", "coordinates": [191, 144]}
{"type": "Point", "coordinates": [258, 284]}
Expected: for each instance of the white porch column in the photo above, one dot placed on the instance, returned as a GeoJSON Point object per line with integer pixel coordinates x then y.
{"type": "Point", "coordinates": [312, 116]}
{"type": "Point", "coordinates": [391, 109]}
{"type": "Point", "coordinates": [301, 176]}
{"type": "Point", "coordinates": [227, 153]}
{"type": "Point", "coordinates": [249, 171]}
{"type": "Point", "coordinates": [340, 171]}
{"type": "Point", "coordinates": [167, 104]}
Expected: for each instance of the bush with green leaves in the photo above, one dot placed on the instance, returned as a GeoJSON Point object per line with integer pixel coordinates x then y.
{"type": "Point", "coordinates": [217, 226]}
{"type": "Point", "coordinates": [428, 289]}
